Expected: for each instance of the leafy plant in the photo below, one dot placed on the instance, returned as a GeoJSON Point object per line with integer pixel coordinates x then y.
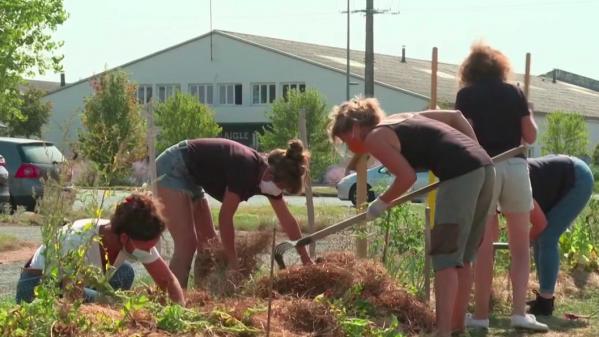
{"type": "Point", "coordinates": [34, 113]}
{"type": "Point", "coordinates": [566, 133]}
{"type": "Point", "coordinates": [114, 134]}
{"type": "Point", "coordinates": [284, 117]}
{"type": "Point", "coordinates": [182, 117]}
{"type": "Point", "coordinates": [579, 244]}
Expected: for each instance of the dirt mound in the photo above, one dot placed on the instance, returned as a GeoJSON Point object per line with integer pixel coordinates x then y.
{"type": "Point", "coordinates": [341, 275]}
{"type": "Point", "coordinates": [310, 317]}
{"type": "Point", "coordinates": [210, 268]}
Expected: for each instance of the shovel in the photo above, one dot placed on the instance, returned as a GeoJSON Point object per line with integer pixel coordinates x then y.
{"type": "Point", "coordinates": [282, 247]}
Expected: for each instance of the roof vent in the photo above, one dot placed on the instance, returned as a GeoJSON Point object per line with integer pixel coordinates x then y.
{"type": "Point", "coordinates": [62, 80]}
{"type": "Point", "coordinates": [403, 54]}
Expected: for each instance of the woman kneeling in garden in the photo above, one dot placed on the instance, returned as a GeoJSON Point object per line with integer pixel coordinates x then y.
{"type": "Point", "coordinates": [130, 235]}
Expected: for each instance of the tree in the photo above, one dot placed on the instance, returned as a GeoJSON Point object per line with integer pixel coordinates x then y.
{"type": "Point", "coordinates": [284, 118]}
{"type": "Point", "coordinates": [566, 133]}
{"type": "Point", "coordinates": [34, 113]}
{"type": "Point", "coordinates": [114, 134]}
{"type": "Point", "coordinates": [26, 46]}
{"type": "Point", "coordinates": [182, 117]}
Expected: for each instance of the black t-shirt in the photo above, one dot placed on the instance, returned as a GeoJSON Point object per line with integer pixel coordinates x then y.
{"type": "Point", "coordinates": [551, 177]}
{"type": "Point", "coordinates": [219, 164]}
{"type": "Point", "coordinates": [496, 109]}
{"type": "Point", "coordinates": [428, 144]}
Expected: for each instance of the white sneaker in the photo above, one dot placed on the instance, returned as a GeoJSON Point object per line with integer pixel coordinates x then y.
{"type": "Point", "coordinates": [529, 322]}
{"type": "Point", "coordinates": [470, 322]}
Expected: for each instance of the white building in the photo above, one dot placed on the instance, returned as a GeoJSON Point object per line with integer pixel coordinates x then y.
{"type": "Point", "coordinates": [239, 75]}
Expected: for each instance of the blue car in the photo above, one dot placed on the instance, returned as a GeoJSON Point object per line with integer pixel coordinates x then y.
{"type": "Point", "coordinates": [377, 178]}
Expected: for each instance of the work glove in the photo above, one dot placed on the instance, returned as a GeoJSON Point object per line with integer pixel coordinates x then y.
{"type": "Point", "coordinates": [376, 209]}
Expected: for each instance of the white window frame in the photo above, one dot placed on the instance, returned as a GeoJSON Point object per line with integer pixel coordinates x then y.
{"type": "Point", "coordinates": [169, 90]}
{"type": "Point", "coordinates": [259, 97]}
{"type": "Point", "coordinates": [228, 97]}
{"type": "Point", "coordinates": [297, 86]}
{"type": "Point", "coordinates": [202, 90]}
{"type": "Point", "coordinates": [143, 90]}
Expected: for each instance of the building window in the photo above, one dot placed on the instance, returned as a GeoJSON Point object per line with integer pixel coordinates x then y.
{"type": "Point", "coordinates": [263, 93]}
{"type": "Point", "coordinates": [230, 94]}
{"type": "Point", "coordinates": [144, 93]}
{"type": "Point", "coordinates": [292, 86]}
{"type": "Point", "coordinates": [204, 92]}
{"type": "Point", "coordinates": [167, 90]}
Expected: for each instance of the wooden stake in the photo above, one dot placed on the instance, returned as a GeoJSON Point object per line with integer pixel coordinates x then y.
{"type": "Point", "coordinates": [527, 77]}
{"type": "Point", "coordinates": [427, 257]}
{"type": "Point", "coordinates": [272, 263]}
{"type": "Point", "coordinates": [361, 202]}
{"type": "Point", "coordinates": [307, 179]}
{"type": "Point", "coordinates": [151, 148]}
{"type": "Point", "coordinates": [431, 199]}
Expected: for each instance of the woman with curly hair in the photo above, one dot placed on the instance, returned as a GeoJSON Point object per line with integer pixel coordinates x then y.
{"type": "Point", "coordinates": [443, 142]}
{"type": "Point", "coordinates": [229, 172]}
{"type": "Point", "coordinates": [130, 235]}
{"type": "Point", "coordinates": [499, 114]}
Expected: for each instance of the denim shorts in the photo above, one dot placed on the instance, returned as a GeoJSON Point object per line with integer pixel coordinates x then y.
{"type": "Point", "coordinates": [172, 172]}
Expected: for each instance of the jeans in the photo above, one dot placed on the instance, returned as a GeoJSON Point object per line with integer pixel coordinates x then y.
{"type": "Point", "coordinates": [122, 279]}
{"type": "Point", "coordinates": [559, 218]}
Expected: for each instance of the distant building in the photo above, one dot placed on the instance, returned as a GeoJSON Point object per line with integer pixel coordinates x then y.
{"type": "Point", "coordinates": [239, 75]}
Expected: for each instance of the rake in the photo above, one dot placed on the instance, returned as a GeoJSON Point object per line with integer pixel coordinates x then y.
{"type": "Point", "coordinates": [282, 247]}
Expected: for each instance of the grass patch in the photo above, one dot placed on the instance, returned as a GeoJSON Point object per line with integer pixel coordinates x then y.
{"type": "Point", "coordinates": [9, 242]}
{"type": "Point", "coordinates": [250, 217]}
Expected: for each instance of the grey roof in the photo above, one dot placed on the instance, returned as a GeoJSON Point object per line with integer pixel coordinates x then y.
{"type": "Point", "coordinates": [46, 86]}
{"type": "Point", "coordinates": [414, 75]}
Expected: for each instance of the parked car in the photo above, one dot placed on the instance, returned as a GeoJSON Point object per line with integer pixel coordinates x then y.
{"type": "Point", "coordinates": [4, 187]}
{"type": "Point", "coordinates": [27, 161]}
{"type": "Point", "coordinates": [377, 178]}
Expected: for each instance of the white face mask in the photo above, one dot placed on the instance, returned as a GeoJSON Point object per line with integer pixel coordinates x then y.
{"type": "Point", "coordinates": [142, 255]}
{"type": "Point", "coordinates": [270, 188]}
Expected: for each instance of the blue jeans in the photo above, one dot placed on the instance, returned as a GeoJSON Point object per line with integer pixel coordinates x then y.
{"type": "Point", "coordinates": [559, 218]}
{"type": "Point", "coordinates": [122, 279]}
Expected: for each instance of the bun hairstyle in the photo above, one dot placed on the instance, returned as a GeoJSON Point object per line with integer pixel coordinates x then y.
{"type": "Point", "coordinates": [289, 166]}
{"type": "Point", "coordinates": [139, 216]}
{"type": "Point", "coordinates": [358, 111]}
{"type": "Point", "coordinates": [484, 62]}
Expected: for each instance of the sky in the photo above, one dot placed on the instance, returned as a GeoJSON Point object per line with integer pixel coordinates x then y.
{"type": "Point", "coordinates": [561, 34]}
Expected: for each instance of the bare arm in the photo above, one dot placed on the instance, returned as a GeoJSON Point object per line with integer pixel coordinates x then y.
{"type": "Point", "coordinates": [538, 220]}
{"type": "Point", "coordinates": [453, 118]}
{"type": "Point", "coordinates": [290, 226]}
{"type": "Point", "coordinates": [166, 280]}
{"type": "Point", "coordinates": [383, 144]}
{"type": "Point", "coordinates": [529, 129]}
{"type": "Point", "coordinates": [227, 231]}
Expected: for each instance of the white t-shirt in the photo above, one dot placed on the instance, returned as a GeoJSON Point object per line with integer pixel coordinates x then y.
{"type": "Point", "coordinates": [81, 232]}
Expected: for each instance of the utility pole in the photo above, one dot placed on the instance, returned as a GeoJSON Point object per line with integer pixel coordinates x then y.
{"type": "Point", "coordinates": [369, 56]}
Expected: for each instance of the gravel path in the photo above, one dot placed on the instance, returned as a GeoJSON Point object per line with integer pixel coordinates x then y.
{"type": "Point", "coordinates": [9, 272]}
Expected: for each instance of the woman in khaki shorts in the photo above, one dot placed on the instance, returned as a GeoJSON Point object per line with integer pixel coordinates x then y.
{"type": "Point", "coordinates": [499, 114]}
{"type": "Point", "coordinates": [429, 140]}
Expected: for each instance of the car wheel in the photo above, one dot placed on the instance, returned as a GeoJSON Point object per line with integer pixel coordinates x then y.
{"type": "Point", "coordinates": [352, 194]}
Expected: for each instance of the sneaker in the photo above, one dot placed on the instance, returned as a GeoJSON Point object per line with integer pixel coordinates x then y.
{"type": "Point", "coordinates": [470, 322]}
{"type": "Point", "coordinates": [528, 322]}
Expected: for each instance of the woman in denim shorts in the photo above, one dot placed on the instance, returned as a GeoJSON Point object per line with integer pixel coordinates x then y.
{"type": "Point", "coordinates": [229, 172]}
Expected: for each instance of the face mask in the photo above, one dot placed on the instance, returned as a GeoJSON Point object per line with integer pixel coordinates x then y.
{"type": "Point", "coordinates": [270, 188]}
{"type": "Point", "coordinates": [142, 255]}
{"type": "Point", "coordinates": [356, 146]}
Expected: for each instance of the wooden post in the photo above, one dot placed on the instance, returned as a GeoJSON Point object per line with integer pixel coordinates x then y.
{"type": "Point", "coordinates": [307, 179]}
{"type": "Point", "coordinates": [151, 139]}
{"type": "Point", "coordinates": [427, 257]}
{"type": "Point", "coordinates": [361, 202]}
{"type": "Point", "coordinates": [432, 196]}
{"type": "Point", "coordinates": [527, 77]}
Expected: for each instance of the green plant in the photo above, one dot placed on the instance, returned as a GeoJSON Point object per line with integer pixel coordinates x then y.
{"type": "Point", "coordinates": [566, 133]}
{"type": "Point", "coordinates": [405, 247]}
{"type": "Point", "coordinates": [182, 117]}
{"type": "Point", "coordinates": [34, 112]}
{"type": "Point", "coordinates": [579, 244]}
{"type": "Point", "coordinates": [26, 47]}
{"type": "Point", "coordinates": [284, 117]}
{"type": "Point", "coordinates": [114, 131]}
